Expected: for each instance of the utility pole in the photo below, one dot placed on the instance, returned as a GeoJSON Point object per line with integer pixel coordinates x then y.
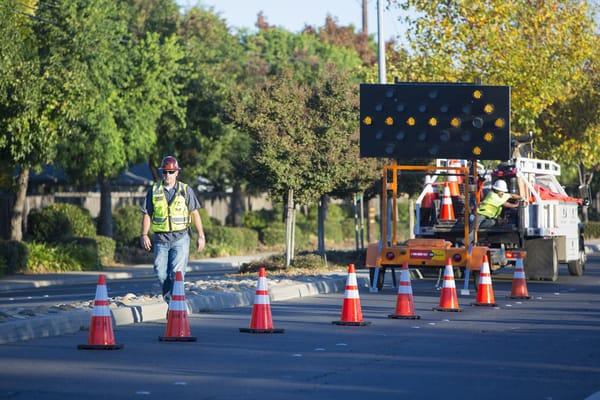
{"type": "Point", "coordinates": [365, 17]}
{"type": "Point", "coordinates": [380, 42]}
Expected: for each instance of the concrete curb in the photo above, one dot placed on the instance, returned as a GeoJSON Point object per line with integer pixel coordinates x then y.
{"type": "Point", "coordinates": [592, 248]}
{"type": "Point", "coordinates": [73, 321]}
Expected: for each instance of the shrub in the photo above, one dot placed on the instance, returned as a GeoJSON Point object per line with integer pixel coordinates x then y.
{"type": "Point", "coordinates": [46, 257]}
{"type": "Point", "coordinates": [127, 224]}
{"type": "Point", "coordinates": [13, 256]}
{"type": "Point", "coordinates": [273, 235]}
{"type": "Point", "coordinates": [236, 238]}
{"type": "Point", "coordinates": [208, 221]}
{"type": "Point", "coordinates": [105, 249]}
{"type": "Point", "coordinates": [258, 220]}
{"type": "Point", "coordinates": [59, 221]}
{"type": "Point", "coordinates": [592, 230]}
{"type": "Point", "coordinates": [308, 261]}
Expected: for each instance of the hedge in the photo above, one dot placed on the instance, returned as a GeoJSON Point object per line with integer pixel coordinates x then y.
{"type": "Point", "coordinates": [45, 257]}
{"type": "Point", "coordinates": [59, 221]}
{"type": "Point", "coordinates": [13, 257]}
{"type": "Point", "coordinates": [127, 223]}
{"type": "Point", "coordinates": [592, 230]}
{"type": "Point", "coordinates": [74, 254]}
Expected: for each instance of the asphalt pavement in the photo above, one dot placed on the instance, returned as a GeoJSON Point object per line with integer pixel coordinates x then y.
{"type": "Point", "coordinates": [544, 348]}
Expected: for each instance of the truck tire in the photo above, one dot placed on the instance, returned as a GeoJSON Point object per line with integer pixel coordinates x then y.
{"type": "Point", "coordinates": [577, 267]}
{"type": "Point", "coordinates": [541, 262]}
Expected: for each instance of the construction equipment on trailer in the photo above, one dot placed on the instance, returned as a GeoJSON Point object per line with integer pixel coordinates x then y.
{"type": "Point", "coordinates": [423, 121]}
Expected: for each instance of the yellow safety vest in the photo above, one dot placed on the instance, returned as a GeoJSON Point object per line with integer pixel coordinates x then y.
{"type": "Point", "coordinates": [491, 206]}
{"type": "Point", "coordinates": [169, 217]}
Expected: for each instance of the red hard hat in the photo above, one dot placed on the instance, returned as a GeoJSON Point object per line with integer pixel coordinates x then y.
{"type": "Point", "coordinates": [169, 163]}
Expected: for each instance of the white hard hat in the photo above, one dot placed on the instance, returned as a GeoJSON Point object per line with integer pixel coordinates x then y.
{"type": "Point", "coordinates": [500, 186]}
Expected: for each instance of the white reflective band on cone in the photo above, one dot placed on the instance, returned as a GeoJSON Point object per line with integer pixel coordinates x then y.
{"type": "Point", "coordinates": [351, 280]}
{"type": "Point", "coordinates": [351, 294]}
{"type": "Point", "coordinates": [262, 284]}
{"type": "Point", "coordinates": [449, 284]}
{"type": "Point", "coordinates": [101, 311]}
{"type": "Point", "coordinates": [404, 275]}
{"type": "Point", "coordinates": [101, 293]}
{"type": "Point", "coordinates": [404, 289]}
{"type": "Point", "coordinates": [176, 305]}
{"type": "Point", "coordinates": [519, 274]}
{"type": "Point", "coordinates": [485, 280]}
{"type": "Point", "coordinates": [178, 289]}
{"type": "Point", "coordinates": [448, 271]}
{"type": "Point", "coordinates": [261, 299]}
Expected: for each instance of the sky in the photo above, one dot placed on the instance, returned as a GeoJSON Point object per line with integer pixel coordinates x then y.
{"type": "Point", "coordinates": [294, 14]}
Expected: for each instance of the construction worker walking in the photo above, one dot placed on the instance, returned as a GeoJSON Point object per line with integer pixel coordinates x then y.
{"type": "Point", "coordinates": [169, 209]}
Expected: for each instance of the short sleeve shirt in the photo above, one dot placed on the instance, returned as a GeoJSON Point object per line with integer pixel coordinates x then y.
{"type": "Point", "coordinates": [190, 200]}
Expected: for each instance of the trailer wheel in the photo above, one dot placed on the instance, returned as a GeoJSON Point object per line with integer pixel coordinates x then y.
{"type": "Point", "coordinates": [577, 267]}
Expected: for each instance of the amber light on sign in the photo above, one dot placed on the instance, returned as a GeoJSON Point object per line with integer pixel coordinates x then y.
{"type": "Point", "coordinates": [477, 94]}
{"type": "Point", "coordinates": [368, 120]}
{"type": "Point", "coordinates": [488, 108]}
{"type": "Point", "coordinates": [488, 136]}
{"type": "Point", "coordinates": [432, 121]}
{"type": "Point", "coordinates": [499, 123]}
{"type": "Point", "coordinates": [389, 121]}
{"type": "Point", "coordinates": [477, 150]}
{"type": "Point", "coordinates": [455, 122]}
{"type": "Point", "coordinates": [411, 121]}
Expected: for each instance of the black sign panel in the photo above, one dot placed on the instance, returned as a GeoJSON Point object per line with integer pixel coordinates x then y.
{"type": "Point", "coordinates": [435, 120]}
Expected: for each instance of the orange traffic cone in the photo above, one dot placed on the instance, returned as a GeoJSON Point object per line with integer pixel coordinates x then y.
{"type": "Point", "coordinates": [485, 292]}
{"type": "Point", "coordinates": [447, 212]}
{"type": "Point", "coordinates": [101, 336]}
{"type": "Point", "coordinates": [351, 310]}
{"type": "Point", "coordinates": [261, 320]}
{"type": "Point", "coordinates": [448, 298]}
{"type": "Point", "coordinates": [519, 283]}
{"type": "Point", "coordinates": [405, 307]}
{"type": "Point", "coordinates": [178, 324]}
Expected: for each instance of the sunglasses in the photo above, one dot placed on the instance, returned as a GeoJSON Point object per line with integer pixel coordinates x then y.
{"type": "Point", "coordinates": [168, 172]}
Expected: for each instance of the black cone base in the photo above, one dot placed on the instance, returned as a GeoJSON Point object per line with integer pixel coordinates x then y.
{"type": "Point", "coordinates": [250, 330]}
{"type": "Point", "coordinates": [100, 346]}
{"type": "Point", "coordinates": [395, 316]}
{"type": "Point", "coordinates": [350, 323]}
{"type": "Point", "coordinates": [177, 338]}
{"type": "Point", "coordinates": [484, 304]}
{"type": "Point", "coordinates": [447, 309]}
{"type": "Point", "coordinates": [519, 297]}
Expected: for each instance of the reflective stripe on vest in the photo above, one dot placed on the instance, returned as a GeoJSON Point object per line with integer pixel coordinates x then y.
{"type": "Point", "coordinates": [169, 217]}
{"type": "Point", "coordinates": [491, 206]}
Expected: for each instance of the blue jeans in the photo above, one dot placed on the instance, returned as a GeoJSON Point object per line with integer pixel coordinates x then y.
{"type": "Point", "coordinates": [170, 257]}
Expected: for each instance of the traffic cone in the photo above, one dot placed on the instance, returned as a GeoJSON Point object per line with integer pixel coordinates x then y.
{"type": "Point", "coordinates": [485, 292]}
{"type": "Point", "coordinates": [447, 212]}
{"type": "Point", "coordinates": [405, 307]}
{"type": "Point", "coordinates": [519, 283]}
{"type": "Point", "coordinates": [351, 310]}
{"type": "Point", "coordinates": [448, 298]}
{"type": "Point", "coordinates": [101, 336]}
{"type": "Point", "coordinates": [261, 321]}
{"type": "Point", "coordinates": [428, 203]}
{"type": "Point", "coordinates": [178, 324]}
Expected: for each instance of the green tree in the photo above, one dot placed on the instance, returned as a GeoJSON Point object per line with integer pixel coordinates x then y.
{"type": "Point", "coordinates": [27, 132]}
{"type": "Point", "coordinates": [114, 89]}
{"type": "Point", "coordinates": [538, 48]}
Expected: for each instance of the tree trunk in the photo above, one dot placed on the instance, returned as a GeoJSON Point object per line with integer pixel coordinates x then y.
{"type": "Point", "coordinates": [105, 222]}
{"type": "Point", "coordinates": [237, 204]}
{"type": "Point", "coordinates": [16, 220]}
{"type": "Point", "coordinates": [321, 217]}
{"type": "Point", "coordinates": [288, 227]}
{"type": "Point", "coordinates": [155, 176]}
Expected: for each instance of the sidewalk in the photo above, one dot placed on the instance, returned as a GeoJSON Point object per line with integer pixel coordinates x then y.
{"type": "Point", "coordinates": [28, 281]}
